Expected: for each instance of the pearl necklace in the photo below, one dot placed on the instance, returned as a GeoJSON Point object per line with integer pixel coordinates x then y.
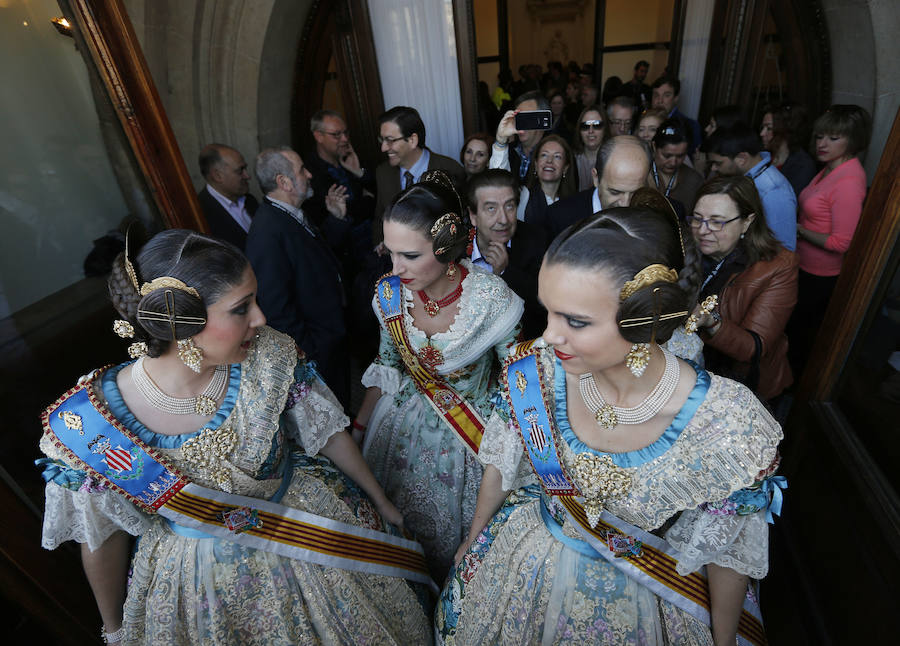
{"type": "Point", "coordinates": [203, 404]}
{"type": "Point", "coordinates": [610, 416]}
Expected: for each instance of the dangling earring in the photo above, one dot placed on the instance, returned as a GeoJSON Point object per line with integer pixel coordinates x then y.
{"type": "Point", "coordinates": [190, 354]}
{"type": "Point", "coordinates": [137, 350]}
{"type": "Point", "coordinates": [638, 358]}
{"type": "Point", "coordinates": [742, 236]}
{"type": "Point", "coordinates": [451, 269]}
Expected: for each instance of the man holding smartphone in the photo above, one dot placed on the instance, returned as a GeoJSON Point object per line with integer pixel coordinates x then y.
{"type": "Point", "coordinates": [516, 156]}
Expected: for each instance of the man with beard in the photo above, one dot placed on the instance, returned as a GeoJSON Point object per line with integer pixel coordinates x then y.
{"type": "Point", "coordinates": [299, 281]}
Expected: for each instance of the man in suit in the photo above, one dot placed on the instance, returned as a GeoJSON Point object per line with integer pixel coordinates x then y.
{"type": "Point", "coordinates": [517, 158]}
{"type": "Point", "coordinates": [622, 166]}
{"type": "Point", "coordinates": [505, 246]}
{"type": "Point", "coordinates": [666, 90]}
{"type": "Point", "coordinates": [402, 139]}
{"type": "Point", "coordinates": [300, 289]}
{"type": "Point", "coordinates": [225, 200]}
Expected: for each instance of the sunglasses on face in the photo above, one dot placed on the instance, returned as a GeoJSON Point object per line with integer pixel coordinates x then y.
{"type": "Point", "coordinates": [588, 125]}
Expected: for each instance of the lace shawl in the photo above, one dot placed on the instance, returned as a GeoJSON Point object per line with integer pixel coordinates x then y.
{"type": "Point", "coordinates": [488, 311]}
{"type": "Point", "coordinates": [274, 389]}
{"type": "Point", "coordinates": [727, 442]}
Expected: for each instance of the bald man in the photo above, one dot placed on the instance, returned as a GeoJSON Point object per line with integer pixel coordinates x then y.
{"type": "Point", "coordinates": [621, 169]}
{"type": "Point", "coordinates": [226, 200]}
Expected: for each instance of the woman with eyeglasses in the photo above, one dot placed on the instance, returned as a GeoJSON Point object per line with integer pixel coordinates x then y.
{"type": "Point", "coordinates": [592, 132]}
{"type": "Point", "coordinates": [755, 281]}
{"type": "Point", "coordinates": [668, 173]}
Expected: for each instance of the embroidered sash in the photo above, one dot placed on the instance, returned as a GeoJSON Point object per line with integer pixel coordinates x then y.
{"type": "Point", "coordinates": [96, 442]}
{"type": "Point", "coordinates": [640, 555]}
{"type": "Point", "coordinates": [465, 422]}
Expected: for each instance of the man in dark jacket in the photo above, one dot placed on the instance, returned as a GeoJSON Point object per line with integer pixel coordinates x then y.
{"type": "Point", "coordinates": [225, 200]}
{"type": "Point", "coordinates": [300, 289]}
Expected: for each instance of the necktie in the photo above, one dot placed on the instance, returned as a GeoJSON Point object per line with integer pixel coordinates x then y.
{"type": "Point", "coordinates": [409, 179]}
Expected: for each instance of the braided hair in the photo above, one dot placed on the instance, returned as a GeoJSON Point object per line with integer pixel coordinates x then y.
{"type": "Point", "coordinates": [433, 207]}
{"type": "Point", "coordinates": [622, 241]}
{"type": "Point", "coordinates": [209, 266]}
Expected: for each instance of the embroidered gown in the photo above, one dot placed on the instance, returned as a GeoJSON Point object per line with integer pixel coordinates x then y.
{"type": "Point", "coordinates": [423, 466]}
{"type": "Point", "coordinates": [188, 590]}
{"type": "Point", "coordinates": [517, 584]}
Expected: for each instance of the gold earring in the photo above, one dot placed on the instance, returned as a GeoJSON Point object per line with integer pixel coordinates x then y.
{"type": "Point", "coordinates": [123, 328]}
{"type": "Point", "coordinates": [451, 269]}
{"type": "Point", "coordinates": [138, 349]}
{"type": "Point", "coordinates": [190, 354]}
{"type": "Point", "coordinates": [638, 358]}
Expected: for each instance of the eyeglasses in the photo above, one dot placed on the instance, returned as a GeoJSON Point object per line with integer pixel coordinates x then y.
{"type": "Point", "coordinates": [594, 124]}
{"type": "Point", "coordinates": [338, 134]}
{"type": "Point", "coordinates": [713, 225]}
{"type": "Point", "coordinates": [620, 122]}
{"type": "Point", "coordinates": [390, 141]}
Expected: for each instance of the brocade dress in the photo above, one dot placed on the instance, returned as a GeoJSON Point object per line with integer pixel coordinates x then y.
{"type": "Point", "coordinates": [425, 469]}
{"type": "Point", "coordinates": [517, 584]}
{"type": "Point", "coordinates": [187, 590]}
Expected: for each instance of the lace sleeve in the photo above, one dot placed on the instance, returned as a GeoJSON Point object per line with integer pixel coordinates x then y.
{"type": "Point", "coordinates": [386, 371]}
{"type": "Point", "coordinates": [739, 542]}
{"type": "Point", "coordinates": [501, 447]}
{"type": "Point", "coordinates": [312, 414]}
{"type": "Point", "coordinates": [89, 515]}
{"type": "Point", "coordinates": [503, 348]}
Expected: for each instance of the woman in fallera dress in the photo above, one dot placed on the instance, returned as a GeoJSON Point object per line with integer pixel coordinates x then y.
{"type": "Point", "coordinates": [603, 437]}
{"type": "Point", "coordinates": [217, 447]}
{"type": "Point", "coordinates": [444, 325]}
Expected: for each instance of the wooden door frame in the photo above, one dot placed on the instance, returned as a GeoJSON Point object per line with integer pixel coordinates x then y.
{"type": "Point", "coordinates": [104, 28]}
{"type": "Point", "coordinates": [729, 60]}
{"type": "Point", "coordinates": [341, 29]}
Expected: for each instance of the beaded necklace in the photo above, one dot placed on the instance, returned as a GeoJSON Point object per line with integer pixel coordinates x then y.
{"type": "Point", "coordinates": [610, 416]}
{"type": "Point", "coordinates": [203, 404]}
{"type": "Point", "coordinates": [433, 307]}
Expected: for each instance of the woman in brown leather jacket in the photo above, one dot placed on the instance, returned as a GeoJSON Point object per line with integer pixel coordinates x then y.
{"type": "Point", "coordinates": [755, 279]}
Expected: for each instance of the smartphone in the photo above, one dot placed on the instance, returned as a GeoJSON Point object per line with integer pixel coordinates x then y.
{"type": "Point", "coordinates": [534, 120]}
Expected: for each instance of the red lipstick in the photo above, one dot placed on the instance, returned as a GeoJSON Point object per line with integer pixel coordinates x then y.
{"type": "Point", "coordinates": [563, 355]}
{"type": "Point", "coordinates": [406, 281]}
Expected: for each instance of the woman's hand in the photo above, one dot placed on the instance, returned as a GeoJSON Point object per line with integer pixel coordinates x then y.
{"type": "Point", "coordinates": [461, 551]}
{"type": "Point", "coordinates": [391, 514]}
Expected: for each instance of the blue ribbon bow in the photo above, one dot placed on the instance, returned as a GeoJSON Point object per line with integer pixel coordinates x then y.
{"type": "Point", "coordinates": [772, 486]}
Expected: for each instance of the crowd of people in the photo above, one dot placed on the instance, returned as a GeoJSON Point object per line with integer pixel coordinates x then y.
{"type": "Point", "coordinates": [574, 340]}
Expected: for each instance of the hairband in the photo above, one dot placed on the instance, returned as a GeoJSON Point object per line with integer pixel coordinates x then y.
{"type": "Point", "coordinates": [647, 276]}
{"type": "Point", "coordinates": [157, 283]}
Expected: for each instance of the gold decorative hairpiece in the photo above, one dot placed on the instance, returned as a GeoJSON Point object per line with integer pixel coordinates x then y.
{"type": "Point", "coordinates": [167, 282]}
{"type": "Point", "coordinates": [451, 219]}
{"type": "Point", "coordinates": [441, 178]}
{"type": "Point", "coordinates": [647, 276]}
{"type": "Point", "coordinates": [129, 268]}
{"type": "Point", "coordinates": [169, 315]}
{"type": "Point", "coordinates": [644, 320]}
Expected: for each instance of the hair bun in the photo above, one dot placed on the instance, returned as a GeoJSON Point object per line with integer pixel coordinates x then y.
{"type": "Point", "coordinates": [440, 181]}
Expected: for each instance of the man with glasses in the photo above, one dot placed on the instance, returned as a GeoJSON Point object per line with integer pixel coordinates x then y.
{"type": "Point", "coordinates": [226, 200]}
{"type": "Point", "coordinates": [739, 151]}
{"type": "Point", "coordinates": [620, 113]}
{"type": "Point", "coordinates": [402, 139]}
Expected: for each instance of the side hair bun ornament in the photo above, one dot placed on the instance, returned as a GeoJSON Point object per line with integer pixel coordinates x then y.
{"type": "Point", "coordinates": [448, 219]}
{"type": "Point", "coordinates": [647, 276]}
{"type": "Point", "coordinates": [167, 282]}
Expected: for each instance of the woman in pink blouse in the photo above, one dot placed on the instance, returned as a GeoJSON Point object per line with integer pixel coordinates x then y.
{"type": "Point", "coordinates": [829, 209]}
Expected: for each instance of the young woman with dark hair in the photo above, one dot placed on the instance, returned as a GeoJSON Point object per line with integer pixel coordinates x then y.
{"type": "Point", "coordinates": [222, 449]}
{"type": "Point", "coordinates": [444, 323]}
{"type": "Point", "coordinates": [601, 438]}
